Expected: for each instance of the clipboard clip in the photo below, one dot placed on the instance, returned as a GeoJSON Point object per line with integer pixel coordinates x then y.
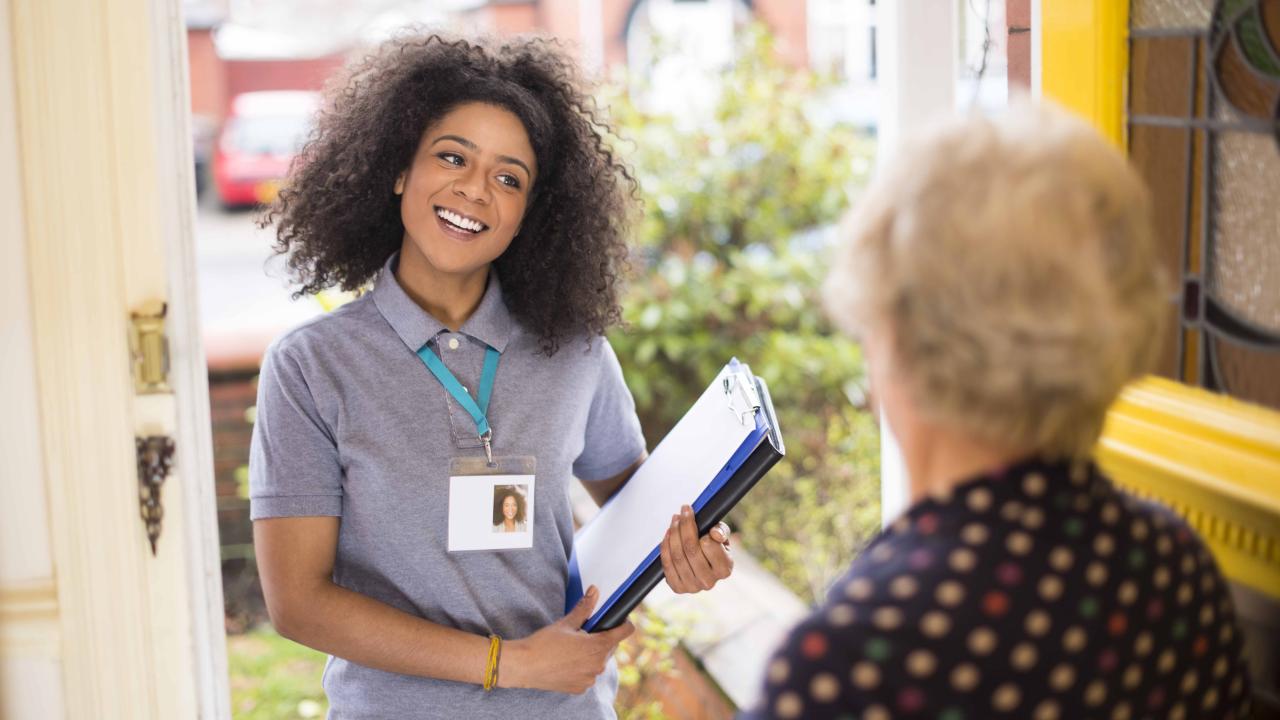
{"type": "Point", "coordinates": [741, 395]}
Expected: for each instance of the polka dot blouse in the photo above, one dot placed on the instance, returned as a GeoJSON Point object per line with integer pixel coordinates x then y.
{"type": "Point", "coordinates": [1041, 592]}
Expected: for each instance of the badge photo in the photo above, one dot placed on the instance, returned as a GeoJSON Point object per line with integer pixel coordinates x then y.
{"type": "Point", "coordinates": [490, 512]}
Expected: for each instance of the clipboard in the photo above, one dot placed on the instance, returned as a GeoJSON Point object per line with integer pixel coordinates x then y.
{"type": "Point", "coordinates": [712, 457]}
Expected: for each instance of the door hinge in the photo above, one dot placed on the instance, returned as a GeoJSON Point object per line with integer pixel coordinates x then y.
{"type": "Point", "coordinates": [149, 348]}
{"type": "Point", "coordinates": [155, 461]}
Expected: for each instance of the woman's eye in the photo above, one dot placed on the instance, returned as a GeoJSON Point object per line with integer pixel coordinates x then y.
{"type": "Point", "coordinates": [510, 181]}
{"type": "Point", "coordinates": [451, 158]}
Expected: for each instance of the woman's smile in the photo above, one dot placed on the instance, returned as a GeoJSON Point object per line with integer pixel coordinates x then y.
{"type": "Point", "coordinates": [453, 220]}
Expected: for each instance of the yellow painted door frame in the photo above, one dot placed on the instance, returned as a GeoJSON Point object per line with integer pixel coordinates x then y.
{"type": "Point", "coordinates": [1213, 458]}
{"type": "Point", "coordinates": [1085, 60]}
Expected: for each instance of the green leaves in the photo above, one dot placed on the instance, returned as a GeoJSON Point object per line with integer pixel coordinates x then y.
{"type": "Point", "coordinates": [752, 172]}
{"type": "Point", "coordinates": [732, 258]}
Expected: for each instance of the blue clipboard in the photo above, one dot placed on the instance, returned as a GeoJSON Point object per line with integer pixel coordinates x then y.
{"type": "Point", "coordinates": [745, 396]}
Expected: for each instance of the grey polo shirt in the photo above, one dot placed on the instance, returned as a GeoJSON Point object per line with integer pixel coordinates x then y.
{"type": "Point", "coordinates": [350, 423]}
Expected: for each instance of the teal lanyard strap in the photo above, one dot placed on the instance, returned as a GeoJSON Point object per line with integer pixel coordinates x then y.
{"type": "Point", "coordinates": [490, 370]}
{"type": "Point", "coordinates": [478, 412]}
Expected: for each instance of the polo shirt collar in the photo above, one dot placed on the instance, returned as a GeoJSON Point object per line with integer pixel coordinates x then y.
{"type": "Point", "coordinates": [491, 323]}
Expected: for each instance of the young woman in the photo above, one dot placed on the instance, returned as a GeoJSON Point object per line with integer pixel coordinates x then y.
{"type": "Point", "coordinates": [473, 185]}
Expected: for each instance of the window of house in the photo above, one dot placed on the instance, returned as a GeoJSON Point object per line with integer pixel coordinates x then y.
{"type": "Point", "coordinates": [841, 38]}
{"type": "Point", "coordinates": [677, 46]}
{"type": "Point", "coordinates": [1204, 129]}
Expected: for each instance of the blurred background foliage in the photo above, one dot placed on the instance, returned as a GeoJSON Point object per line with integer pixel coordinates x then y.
{"type": "Point", "coordinates": [731, 251]}
{"type": "Point", "coordinates": [644, 660]}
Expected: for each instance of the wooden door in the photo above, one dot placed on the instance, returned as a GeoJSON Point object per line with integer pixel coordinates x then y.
{"type": "Point", "coordinates": [96, 208]}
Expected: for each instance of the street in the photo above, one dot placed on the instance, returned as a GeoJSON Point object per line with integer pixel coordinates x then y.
{"type": "Point", "coordinates": [244, 296]}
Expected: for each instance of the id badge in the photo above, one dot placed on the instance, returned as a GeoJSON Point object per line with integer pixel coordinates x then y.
{"type": "Point", "coordinates": [491, 507]}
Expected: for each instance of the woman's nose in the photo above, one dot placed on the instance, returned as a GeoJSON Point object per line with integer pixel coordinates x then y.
{"type": "Point", "coordinates": [471, 187]}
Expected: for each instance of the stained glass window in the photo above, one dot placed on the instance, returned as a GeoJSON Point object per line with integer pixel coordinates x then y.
{"type": "Point", "coordinates": [1204, 129]}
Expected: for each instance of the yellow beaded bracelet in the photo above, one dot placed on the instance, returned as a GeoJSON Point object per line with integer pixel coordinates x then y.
{"type": "Point", "coordinates": [491, 667]}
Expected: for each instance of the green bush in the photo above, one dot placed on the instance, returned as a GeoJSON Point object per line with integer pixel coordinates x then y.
{"type": "Point", "coordinates": [645, 660]}
{"type": "Point", "coordinates": [273, 678]}
{"type": "Point", "coordinates": [730, 260]}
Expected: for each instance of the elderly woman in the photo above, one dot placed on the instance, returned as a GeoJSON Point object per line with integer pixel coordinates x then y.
{"type": "Point", "coordinates": [1001, 275]}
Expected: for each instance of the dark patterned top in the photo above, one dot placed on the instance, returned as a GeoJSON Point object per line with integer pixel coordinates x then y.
{"type": "Point", "coordinates": [1040, 592]}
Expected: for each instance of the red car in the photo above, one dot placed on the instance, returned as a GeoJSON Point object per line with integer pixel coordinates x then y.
{"type": "Point", "coordinates": [262, 133]}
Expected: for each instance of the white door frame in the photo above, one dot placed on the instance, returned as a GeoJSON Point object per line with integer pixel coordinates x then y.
{"type": "Point", "coordinates": [30, 642]}
{"type": "Point", "coordinates": [189, 375]}
{"type": "Point", "coordinates": [916, 46]}
{"type": "Point", "coordinates": [101, 219]}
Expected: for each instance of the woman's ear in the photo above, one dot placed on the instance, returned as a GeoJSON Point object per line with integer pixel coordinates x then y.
{"type": "Point", "coordinates": [399, 189]}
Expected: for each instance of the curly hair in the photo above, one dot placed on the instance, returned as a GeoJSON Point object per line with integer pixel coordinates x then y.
{"type": "Point", "coordinates": [500, 495]}
{"type": "Point", "coordinates": [338, 218]}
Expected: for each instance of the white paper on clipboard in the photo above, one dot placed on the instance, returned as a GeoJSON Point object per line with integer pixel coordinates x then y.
{"type": "Point", "coordinates": [634, 521]}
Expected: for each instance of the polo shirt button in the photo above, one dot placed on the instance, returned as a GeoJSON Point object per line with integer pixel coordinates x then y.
{"type": "Point", "coordinates": [453, 343]}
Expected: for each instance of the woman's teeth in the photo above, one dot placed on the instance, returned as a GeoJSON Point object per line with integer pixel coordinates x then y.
{"type": "Point", "coordinates": [458, 221]}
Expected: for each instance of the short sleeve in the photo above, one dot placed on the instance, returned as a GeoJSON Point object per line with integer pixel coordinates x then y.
{"type": "Point", "coordinates": [613, 440]}
{"type": "Point", "coordinates": [294, 468]}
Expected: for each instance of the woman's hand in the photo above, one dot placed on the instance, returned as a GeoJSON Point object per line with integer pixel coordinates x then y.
{"type": "Point", "coordinates": [693, 564]}
{"type": "Point", "coordinates": [561, 656]}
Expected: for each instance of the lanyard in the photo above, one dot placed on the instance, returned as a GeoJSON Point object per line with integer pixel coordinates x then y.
{"type": "Point", "coordinates": [477, 410]}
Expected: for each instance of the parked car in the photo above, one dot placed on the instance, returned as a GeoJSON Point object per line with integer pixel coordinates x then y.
{"type": "Point", "coordinates": [261, 134]}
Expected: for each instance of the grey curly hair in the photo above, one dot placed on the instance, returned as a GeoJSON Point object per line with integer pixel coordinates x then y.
{"type": "Point", "coordinates": [1012, 260]}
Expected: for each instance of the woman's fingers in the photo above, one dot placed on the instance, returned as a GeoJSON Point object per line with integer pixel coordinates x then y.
{"type": "Point", "coordinates": [664, 555]}
{"type": "Point", "coordinates": [609, 639]}
{"type": "Point", "coordinates": [717, 555]}
{"type": "Point", "coordinates": [581, 613]}
{"type": "Point", "coordinates": [720, 533]}
{"type": "Point", "coordinates": [692, 552]}
{"type": "Point", "coordinates": [691, 563]}
{"type": "Point", "coordinates": [670, 568]}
